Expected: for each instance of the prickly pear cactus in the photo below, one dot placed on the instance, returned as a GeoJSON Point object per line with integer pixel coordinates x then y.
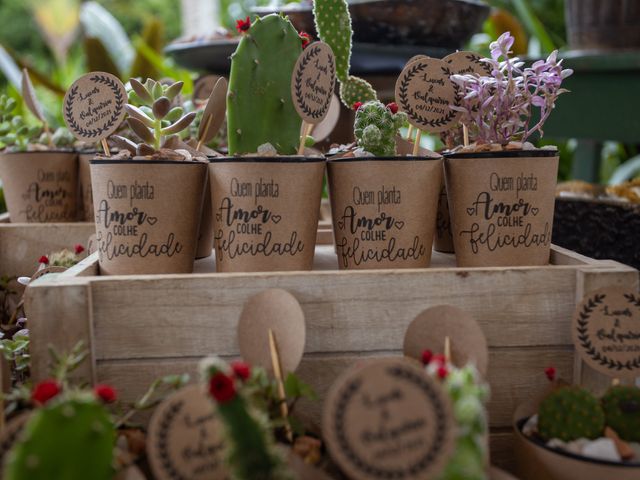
{"type": "Point", "coordinates": [376, 127]}
{"type": "Point", "coordinates": [621, 406]}
{"type": "Point", "coordinates": [569, 413]}
{"type": "Point", "coordinates": [259, 105]}
{"type": "Point", "coordinates": [72, 439]}
{"type": "Point", "coordinates": [250, 451]}
{"type": "Point", "coordinates": [333, 24]}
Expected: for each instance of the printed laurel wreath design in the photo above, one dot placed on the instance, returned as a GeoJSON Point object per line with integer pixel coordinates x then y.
{"type": "Point", "coordinates": [319, 112]}
{"type": "Point", "coordinates": [163, 442]}
{"type": "Point", "coordinates": [585, 339]}
{"type": "Point", "coordinates": [406, 106]}
{"type": "Point", "coordinates": [94, 132]}
{"type": "Point", "coordinates": [339, 425]}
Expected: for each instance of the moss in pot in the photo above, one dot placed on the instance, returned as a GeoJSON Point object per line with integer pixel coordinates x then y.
{"type": "Point", "coordinates": [501, 188]}
{"type": "Point", "coordinates": [148, 199]}
{"type": "Point", "coordinates": [38, 168]}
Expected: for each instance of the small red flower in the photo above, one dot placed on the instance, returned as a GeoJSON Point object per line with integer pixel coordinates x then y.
{"type": "Point", "coordinates": [44, 259]}
{"type": "Point", "coordinates": [356, 106]}
{"type": "Point", "coordinates": [550, 372]}
{"type": "Point", "coordinates": [241, 370]}
{"type": "Point", "coordinates": [243, 25]}
{"type": "Point", "coordinates": [393, 107]}
{"type": "Point", "coordinates": [427, 356]}
{"type": "Point", "coordinates": [45, 391]}
{"type": "Point", "coordinates": [442, 372]}
{"type": "Point", "coordinates": [106, 393]}
{"type": "Point", "coordinates": [305, 38]}
{"type": "Point", "coordinates": [222, 388]}
{"type": "Point", "coordinates": [439, 359]}
{"type": "Point", "coordinates": [78, 249]}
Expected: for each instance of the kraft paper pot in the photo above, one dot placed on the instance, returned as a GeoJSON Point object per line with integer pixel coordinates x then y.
{"type": "Point", "coordinates": [265, 212]}
{"type": "Point", "coordinates": [147, 214]}
{"type": "Point", "coordinates": [40, 187]}
{"type": "Point", "coordinates": [501, 206]}
{"type": "Point", "coordinates": [536, 461]}
{"type": "Point", "coordinates": [205, 232]}
{"type": "Point", "coordinates": [85, 204]}
{"type": "Point", "coordinates": [443, 240]}
{"type": "Point", "coordinates": [384, 210]}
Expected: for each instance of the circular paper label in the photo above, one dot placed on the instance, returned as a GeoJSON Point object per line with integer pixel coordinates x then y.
{"type": "Point", "coordinates": [388, 419]}
{"type": "Point", "coordinates": [94, 106]}
{"type": "Point", "coordinates": [463, 63]}
{"type": "Point", "coordinates": [313, 81]}
{"type": "Point", "coordinates": [606, 331]}
{"type": "Point", "coordinates": [184, 439]}
{"type": "Point", "coordinates": [424, 92]}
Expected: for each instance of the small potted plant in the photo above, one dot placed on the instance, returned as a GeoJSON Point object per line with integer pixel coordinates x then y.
{"type": "Point", "coordinates": [148, 199]}
{"type": "Point", "coordinates": [39, 169]}
{"type": "Point", "coordinates": [501, 188]}
{"type": "Point", "coordinates": [266, 199]}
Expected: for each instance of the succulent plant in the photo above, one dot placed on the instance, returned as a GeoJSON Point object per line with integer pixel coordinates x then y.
{"type": "Point", "coordinates": [569, 413]}
{"type": "Point", "coordinates": [157, 120]}
{"type": "Point", "coordinates": [376, 127]}
{"type": "Point", "coordinates": [260, 109]}
{"type": "Point", "coordinates": [69, 438]}
{"type": "Point", "coordinates": [250, 452]}
{"type": "Point", "coordinates": [15, 134]}
{"type": "Point", "coordinates": [333, 24]}
{"type": "Point", "coordinates": [621, 405]}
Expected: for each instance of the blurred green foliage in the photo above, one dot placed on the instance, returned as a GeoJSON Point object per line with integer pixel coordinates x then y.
{"type": "Point", "coordinates": [134, 14]}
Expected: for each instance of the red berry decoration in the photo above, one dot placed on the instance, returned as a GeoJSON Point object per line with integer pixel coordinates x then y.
{"type": "Point", "coordinates": [78, 249]}
{"type": "Point", "coordinates": [243, 25]}
{"type": "Point", "coordinates": [241, 370]}
{"type": "Point", "coordinates": [356, 106]}
{"type": "Point", "coordinates": [44, 259]}
{"type": "Point", "coordinates": [306, 39]}
{"type": "Point", "coordinates": [106, 393]}
{"type": "Point", "coordinates": [550, 372]}
{"type": "Point", "coordinates": [45, 391]}
{"type": "Point", "coordinates": [221, 388]}
{"type": "Point", "coordinates": [442, 372]}
{"type": "Point", "coordinates": [393, 107]}
{"type": "Point", "coordinates": [427, 356]}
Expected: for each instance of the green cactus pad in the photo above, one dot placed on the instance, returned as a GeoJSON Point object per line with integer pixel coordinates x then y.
{"type": "Point", "coordinates": [376, 128]}
{"type": "Point", "coordinates": [333, 24]}
{"type": "Point", "coordinates": [259, 105]}
{"type": "Point", "coordinates": [71, 440]}
{"type": "Point", "coordinates": [621, 406]}
{"type": "Point", "coordinates": [355, 89]}
{"type": "Point", "coordinates": [569, 413]}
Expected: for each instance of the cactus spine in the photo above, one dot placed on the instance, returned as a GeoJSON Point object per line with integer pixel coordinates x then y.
{"type": "Point", "coordinates": [376, 127]}
{"type": "Point", "coordinates": [69, 439]}
{"type": "Point", "coordinates": [621, 406]}
{"type": "Point", "coordinates": [333, 24]}
{"type": "Point", "coordinates": [259, 105]}
{"type": "Point", "coordinates": [569, 413]}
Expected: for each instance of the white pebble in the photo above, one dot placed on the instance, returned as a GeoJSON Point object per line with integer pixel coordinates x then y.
{"type": "Point", "coordinates": [603, 449]}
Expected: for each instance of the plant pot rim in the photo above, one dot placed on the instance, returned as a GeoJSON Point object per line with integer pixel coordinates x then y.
{"type": "Point", "coordinates": [275, 159]}
{"type": "Point", "coordinates": [37, 152]}
{"type": "Point", "coordinates": [574, 456]}
{"type": "Point", "coordinates": [504, 154]}
{"type": "Point", "coordinates": [108, 161]}
{"type": "Point", "coordinates": [398, 158]}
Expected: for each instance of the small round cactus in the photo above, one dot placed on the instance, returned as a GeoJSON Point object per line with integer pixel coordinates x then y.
{"type": "Point", "coordinates": [376, 127]}
{"type": "Point", "coordinates": [621, 406]}
{"type": "Point", "coordinates": [569, 413]}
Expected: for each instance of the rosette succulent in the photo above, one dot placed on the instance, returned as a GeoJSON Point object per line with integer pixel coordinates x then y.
{"type": "Point", "coordinates": [15, 134]}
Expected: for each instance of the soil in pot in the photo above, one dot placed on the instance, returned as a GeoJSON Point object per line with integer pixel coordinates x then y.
{"type": "Point", "coordinates": [501, 206]}
{"type": "Point", "coordinates": [265, 212]}
{"type": "Point", "coordinates": [41, 186]}
{"type": "Point", "coordinates": [147, 214]}
{"type": "Point", "coordinates": [384, 210]}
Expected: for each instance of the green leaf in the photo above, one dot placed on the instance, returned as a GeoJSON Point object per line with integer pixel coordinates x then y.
{"type": "Point", "coordinates": [10, 68]}
{"type": "Point", "coordinates": [98, 58]}
{"type": "Point", "coordinates": [152, 36]}
{"type": "Point", "coordinates": [534, 25]}
{"type": "Point", "coordinates": [165, 66]}
{"type": "Point", "coordinates": [296, 388]}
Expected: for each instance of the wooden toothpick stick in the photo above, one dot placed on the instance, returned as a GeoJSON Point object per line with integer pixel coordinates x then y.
{"type": "Point", "coordinates": [409, 132]}
{"type": "Point", "coordinates": [447, 349]}
{"type": "Point", "coordinates": [277, 372]}
{"type": "Point", "coordinates": [416, 144]}
{"type": "Point", "coordinates": [206, 128]}
{"type": "Point", "coordinates": [306, 130]}
{"type": "Point", "coordinates": [105, 146]}
{"type": "Point", "coordinates": [465, 135]}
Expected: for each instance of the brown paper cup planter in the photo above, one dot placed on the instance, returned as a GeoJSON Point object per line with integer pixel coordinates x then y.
{"type": "Point", "coordinates": [443, 240]}
{"type": "Point", "coordinates": [501, 206]}
{"type": "Point", "coordinates": [384, 210]}
{"type": "Point", "coordinates": [147, 214]}
{"type": "Point", "coordinates": [40, 187]}
{"type": "Point", "coordinates": [265, 212]}
{"type": "Point", "coordinates": [85, 203]}
{"type": "Point", "coordinates": [205, 232]}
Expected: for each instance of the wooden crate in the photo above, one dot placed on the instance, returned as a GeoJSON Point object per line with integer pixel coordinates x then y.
{"type": "Point", "coordinates": [142, 327]}
{"type": "Point", "coordinates": [22, 244]}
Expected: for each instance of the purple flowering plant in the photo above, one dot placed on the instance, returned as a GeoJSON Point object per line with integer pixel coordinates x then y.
{"type": "Point", "coordinates": [498, 108]}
